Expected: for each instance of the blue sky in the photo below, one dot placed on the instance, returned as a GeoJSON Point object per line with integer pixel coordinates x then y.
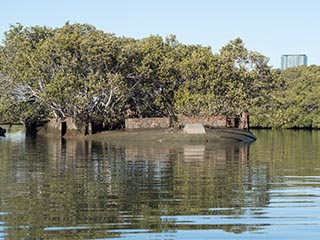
{"type": "Point", "coordinates": [271, 27]}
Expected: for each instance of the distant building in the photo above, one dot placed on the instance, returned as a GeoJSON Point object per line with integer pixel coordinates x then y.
{"type": "Point", "coordinates": [293, 60]}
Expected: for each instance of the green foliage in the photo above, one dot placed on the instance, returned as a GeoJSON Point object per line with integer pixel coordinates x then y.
{"type": "Point", "coordinates": [225, 83]}
{"type": "Point", "coordinates": [79, 71]}
{"type": "Point", "coordinates": [295, 102]}
{"type": "Point", "coordinates": [301, 101]}
{"type": "Point", "coordinates": [66, 72]}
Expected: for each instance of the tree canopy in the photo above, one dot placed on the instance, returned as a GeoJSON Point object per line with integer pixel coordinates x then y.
{"type": "Point", "coordinates": [77, 70]}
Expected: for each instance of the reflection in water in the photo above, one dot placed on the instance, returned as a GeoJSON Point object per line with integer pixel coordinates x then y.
{"type": "Point", "coordinates": [84, 189]}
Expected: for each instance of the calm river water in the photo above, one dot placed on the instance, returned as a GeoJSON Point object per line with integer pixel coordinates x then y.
{"type": "Point", "coordinates": [53, 189]}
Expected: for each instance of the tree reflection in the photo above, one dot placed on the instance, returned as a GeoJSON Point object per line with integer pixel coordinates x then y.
{"type": "Point", "coordinates": [64, 189]}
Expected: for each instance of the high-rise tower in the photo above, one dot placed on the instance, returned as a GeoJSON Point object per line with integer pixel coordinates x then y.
{"type": "Point", "coordinates": [293, 60]}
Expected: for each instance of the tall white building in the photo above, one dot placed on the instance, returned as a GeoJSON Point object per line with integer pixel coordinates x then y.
{"type": "Point", "coordinates": [293, 60]}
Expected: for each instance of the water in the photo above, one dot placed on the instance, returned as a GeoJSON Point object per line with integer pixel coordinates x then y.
{"type": "Point", "coordinates": [53, 189]}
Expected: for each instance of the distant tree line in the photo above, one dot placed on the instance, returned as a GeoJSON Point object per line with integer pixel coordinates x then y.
{"type": "Point", "coordinates": [77, 70]}
{"type": "Point", "coordinates": [296, 101]}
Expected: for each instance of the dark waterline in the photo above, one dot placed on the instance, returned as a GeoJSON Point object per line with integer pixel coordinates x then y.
{"type": "Point", "coordinates": [53, 189]}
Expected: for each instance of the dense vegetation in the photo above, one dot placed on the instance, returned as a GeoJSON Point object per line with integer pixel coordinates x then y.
{"type": "Point", "coordinates": [79, 71]}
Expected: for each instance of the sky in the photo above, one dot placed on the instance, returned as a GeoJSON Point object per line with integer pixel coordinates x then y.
{"type": "Point", "coordinates": [270, 27]}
